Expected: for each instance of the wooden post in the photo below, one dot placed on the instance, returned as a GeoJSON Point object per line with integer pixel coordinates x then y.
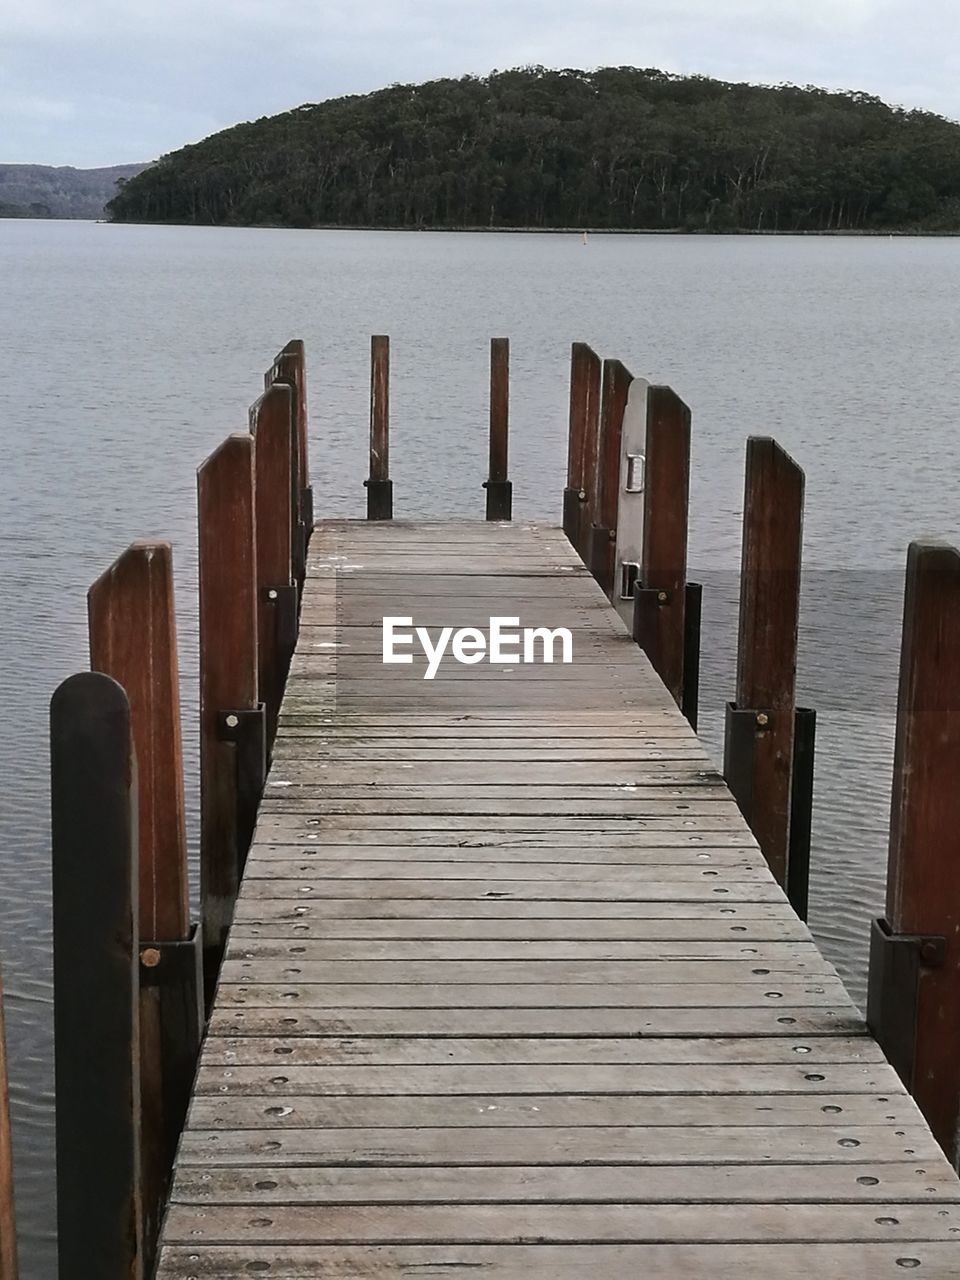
{"type": "Point", "coordinates": [914, 994]}
{"type": "Point", "coordinates": [232, 727]}
{"type": "Point", "coordinates": [379, 486]}
{"type": "Point", "coordinates": [93, 801]}
{"type": "Point", "coordinates": [8, 1231]}
{"type": "Point", "coordinates": [271, 427]}
{"type": "Point", "coordinates": [582, 445]}
{"type": "Point", "coordinates": [659, 618]}
{"type": "Point", "coordinates": [498, 487]}
{"type": "Point", "coordinates": [132, 622]}
{"type": "Point", "coordinates": [289, 369]}
{"type": "Point", "coordinates": [603, 532]}
{"type": "Point", "coordinates": [758, 752]}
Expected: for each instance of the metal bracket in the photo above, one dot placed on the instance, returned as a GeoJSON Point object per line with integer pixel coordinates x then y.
{"type": "Point", "coordinates": [634, 477]}
{"type": "Point", "coordinates": [742, 727]}
{"type": "Point", "coordinates": [897, 961]}
{"type": "Point", "coordinates": [247, 729]}
{"type": "Point", "coordinates": [573, 500]}
{"type": "Point", "coordinates": [629, 576]}
{"type": "Point", "coordinates": [283, 601]}
{"type": "Point", "coordinates": [379, 499]}
{"type": "Point", "coordinates": [306, 509]}
{"type": "Point", "coordinates": [499, 499]}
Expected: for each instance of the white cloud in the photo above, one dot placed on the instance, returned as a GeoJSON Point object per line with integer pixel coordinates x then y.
{"type": "Point", "coordinates": [178, 68]}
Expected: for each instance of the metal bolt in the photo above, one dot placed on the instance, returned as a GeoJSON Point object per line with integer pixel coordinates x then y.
{"type": "Point", "coordinates": [150, 958]}
{"type": "Point", "coordinates": [762, 719]}
{"type": "Point", "coordinates": [662, 597]}
{"type": "Point", "coordinates": [929, 952]}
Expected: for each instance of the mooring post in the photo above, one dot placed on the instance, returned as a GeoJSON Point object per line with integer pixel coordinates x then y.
{"type": "Point", "coordinates": [498, 487]}
{"type": "Point", "coordinates": [232, 721]}
{"type": "Point", "coordinates": [693, 614]}
{"type": "Point", "coordinates": [913, 1006]}
{"type": "Point", "coordinates": [801, 809]}
{"type": "Point", "coordinates": [758, 746]}
{"type": "Point", "coordinates": [580, 496]}
{"type": "Point", "coordinates": [603, 531]}
{"type": "Point", "coordinates": [660, 597]}
{"type": "Point", "coordinates": [132, 624]}
{"type": "Point", "coordinates": [582, 437]}
{"type": "Point", "coordinates": [8, 1230]}
{"type": "Point", "coordinates": [289, 369]}
{"type": "Point", "coordinates": [277, 597]}
{"type": "Point", "coordinates": [379, 486]}
{"type": "Point", "coordinates": [96, 983]}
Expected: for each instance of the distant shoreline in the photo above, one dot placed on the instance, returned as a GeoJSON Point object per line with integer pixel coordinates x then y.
{"type": "Point", "coordinates": [551, 231]}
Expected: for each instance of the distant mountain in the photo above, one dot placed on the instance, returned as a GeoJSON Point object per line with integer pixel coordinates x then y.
{"type": "Point", "coordinates": [613, 148]}
{"type": "Point", "coordinates": [42, 191]}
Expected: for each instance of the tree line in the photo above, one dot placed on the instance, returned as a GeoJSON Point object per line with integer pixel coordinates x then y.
{"type": "Point", "coordinates": [615, 148]}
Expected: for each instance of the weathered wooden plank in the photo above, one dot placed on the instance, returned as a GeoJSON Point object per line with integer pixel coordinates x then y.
{"type": "Point", "coordinates": [478, 1223]}
{"type": "Point", "coordinates": [358, 1050]}
{"type": "Point", "coordinates": [614, 1262]}
{"type": "Point", "coordinates": [292, 1019]}
{"type": "Point", "coordinates": [818, 992]}
{"type": "Point", "coordinates": [573, 1184]}
{"type": "Point", "coordinates": [552, 1129]}
{"type": "Point", "coordinates": [618, 1079]}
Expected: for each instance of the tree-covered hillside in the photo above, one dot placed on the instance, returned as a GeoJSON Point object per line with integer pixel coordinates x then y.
{"type": "Point", "coordinates": [42, 191]}
{"type": "Point", "coordinates": [618, 147]}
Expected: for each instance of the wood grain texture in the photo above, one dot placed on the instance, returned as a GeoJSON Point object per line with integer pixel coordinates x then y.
{"type": "Point", "coordinates": [767, 644]}
{"type": "Point", "coordinates": [133, 638]}
{"type": "Point", "coordinates": [508, 967]}
{"type": "Point", "coordinates": [228, 665]}
{"type": "Point", "coordinates": [923, 879]}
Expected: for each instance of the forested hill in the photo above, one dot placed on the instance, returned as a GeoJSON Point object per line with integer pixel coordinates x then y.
{"type": "Point", "coordinates": [616, 148]}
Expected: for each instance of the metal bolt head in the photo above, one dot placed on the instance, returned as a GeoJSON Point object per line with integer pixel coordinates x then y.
{"type": "Point", "coordinates": [150, 957]}
{"type": "Point", "coordinates": [662, 597]}
{"type": "Point", "coordinates": [762, 719]}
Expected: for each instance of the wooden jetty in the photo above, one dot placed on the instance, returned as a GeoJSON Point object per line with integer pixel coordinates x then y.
{"type": "Point", "coordinates": [503, 976]}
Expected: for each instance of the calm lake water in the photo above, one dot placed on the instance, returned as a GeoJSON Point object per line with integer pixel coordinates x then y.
{"type": "Point", "coordinates": [126, 353]}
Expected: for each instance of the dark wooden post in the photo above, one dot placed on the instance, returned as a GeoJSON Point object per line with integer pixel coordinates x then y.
{"type": "Point", "coordinates": [758, 751]}
{"type": "Point", "coordinates": [271, 426]}
{"type": "Point", "coordinates": [379, 486]}
{"type": "Point", "coordinates": [8, 1231]}
{"type": "Point", "coordinates": [498, 487]}
{"type": "Point", "coordinates": [93, 800]}
{"type": "Point", "coordinates": [289, 369]}
{"type": "Point", "coordinates": [660, 600]}
{"type": "Point", "coordinates": [133, 639]}
{"type": "Point", "coordinates": [914, 995]}
{"type": "Point", "coordinates": [578, 497]}
{"type": "Point", "coordinates": [603, 532]}
{"type": "Point", "coordinates": [232, 724]}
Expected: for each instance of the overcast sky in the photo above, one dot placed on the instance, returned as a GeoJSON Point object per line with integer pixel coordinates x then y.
{"type": "Point", "coordinates": [95, 82]}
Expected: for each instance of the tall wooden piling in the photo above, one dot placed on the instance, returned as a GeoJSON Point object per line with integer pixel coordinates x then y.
{"type": "Point", "coordinates": [289, 369]}
{"type": "Point", "coordinates": [8, 1231]}
{"type": "Point", "coordinates": [579, 499]}
{"type": "Point", "coordinates": [498, 487]}
{"type": "Point", "coordinates": [275, 474]}
{"type": "Point", "coordinates": [660, 601]}
{"type": "Point", "coordinates": [132, 623]}
{"type": "Point", "coordinates": [758, 752]}
{"type": "Point", "coordinates": [914, 996]}
{"type": "Point", "coordinates": [603, 532]}
{"type": "Point", "coordinates": [232, 725]}
{"type": "Point", "coordinates": [96, 983]}
{"type": "Point", "coordinates": [379, 485]}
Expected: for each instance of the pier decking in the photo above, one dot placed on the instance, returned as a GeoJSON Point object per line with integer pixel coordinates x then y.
{"type": "Point", "coordinates": [510, 990]}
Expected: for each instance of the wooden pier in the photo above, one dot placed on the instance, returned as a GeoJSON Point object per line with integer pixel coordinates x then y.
{"type": "Point", "coordinates": [497, 973]}
{"type": "Point", "coordinates": [510, 989]}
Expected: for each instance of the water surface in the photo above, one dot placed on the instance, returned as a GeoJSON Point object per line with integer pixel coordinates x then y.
{"type": "Point", "coordinates": [126, 353]}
